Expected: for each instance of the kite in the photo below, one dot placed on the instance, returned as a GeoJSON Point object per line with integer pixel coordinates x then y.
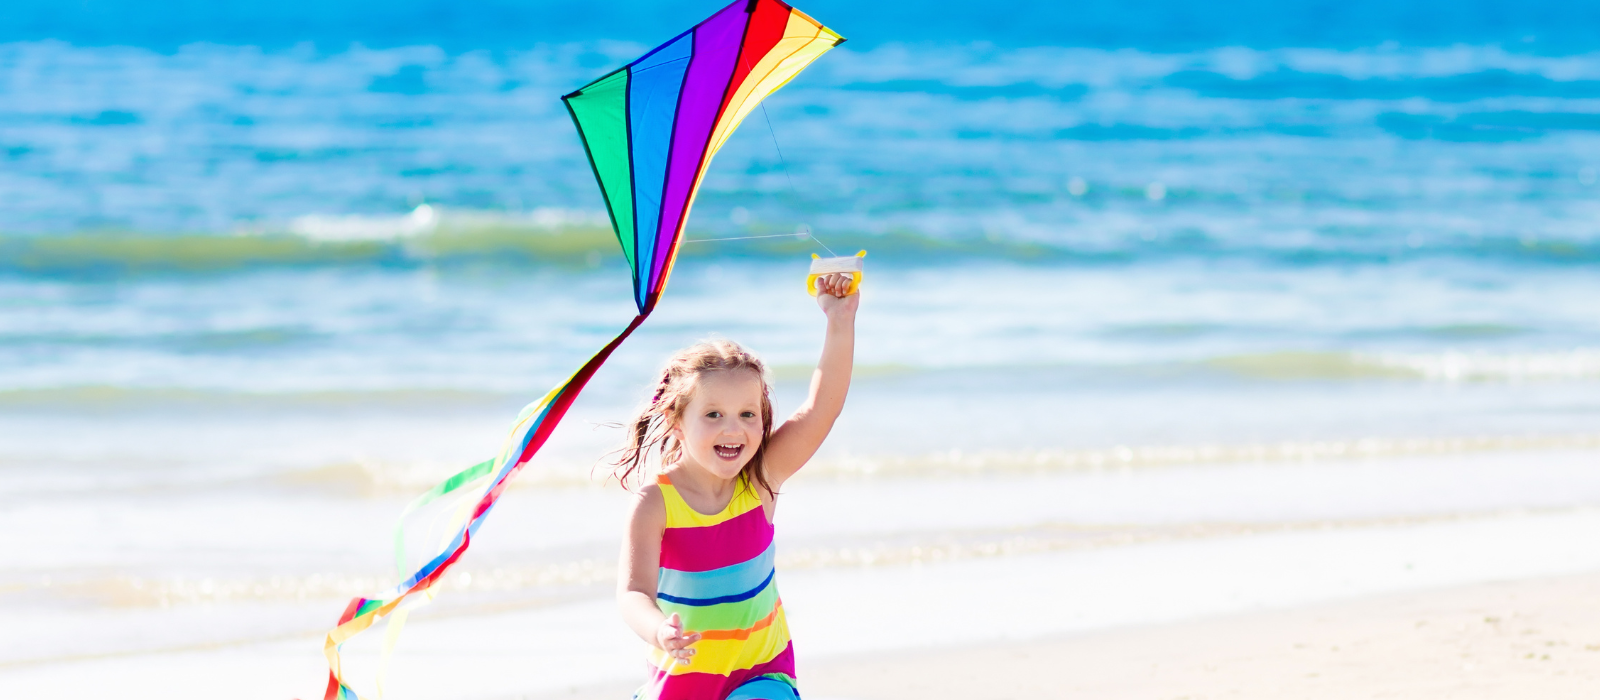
{"type": "Point", "coordinates": [650, 129]}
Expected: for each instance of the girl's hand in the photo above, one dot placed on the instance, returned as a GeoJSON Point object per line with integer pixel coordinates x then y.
{"type": "Point", "coordinates": [670, 638]}
{"type": "Point", "coordinates": [831, 290]}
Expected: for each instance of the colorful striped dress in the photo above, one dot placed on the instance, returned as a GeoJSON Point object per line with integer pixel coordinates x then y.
{"type": "Point", "coordinates": [717, 574]}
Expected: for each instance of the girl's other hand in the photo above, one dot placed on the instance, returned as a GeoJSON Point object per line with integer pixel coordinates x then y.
{"type": "Point", "coordinates": [831, 291]}
{"type": "Point", "coordinates": [671, 638]}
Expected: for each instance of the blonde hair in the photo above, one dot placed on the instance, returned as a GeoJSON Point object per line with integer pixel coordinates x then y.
{"type": "Point", "coordinates": [650, 430]}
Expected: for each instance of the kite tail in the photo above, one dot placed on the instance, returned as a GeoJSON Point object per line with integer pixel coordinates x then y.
{"type": "Point", "coordinates": [533, 428]}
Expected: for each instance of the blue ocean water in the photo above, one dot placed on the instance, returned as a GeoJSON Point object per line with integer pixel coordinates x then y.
{"type": "Point", "coordinates": [357, 197]}
{"type": "Point", "coordinates": [498, 24]}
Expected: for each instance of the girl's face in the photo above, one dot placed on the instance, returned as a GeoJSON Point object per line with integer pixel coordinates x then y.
{"type": "Point", "coordinates": [721, 428]}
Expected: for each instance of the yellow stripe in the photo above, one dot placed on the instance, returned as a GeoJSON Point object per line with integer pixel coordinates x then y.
{"type": "Point", "coordinates": [679, 514]}
{"type": "Point", "coordinates": [724, 656]}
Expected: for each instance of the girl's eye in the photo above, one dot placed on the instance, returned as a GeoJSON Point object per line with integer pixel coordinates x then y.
{"type": "Point", "coordinates": [747, 414]}
{"type": "Point", "coordinates": [714, 414]}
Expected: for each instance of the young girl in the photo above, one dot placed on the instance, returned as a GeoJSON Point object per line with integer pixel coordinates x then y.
{"type": "Point", "coordinates": [696, 577]}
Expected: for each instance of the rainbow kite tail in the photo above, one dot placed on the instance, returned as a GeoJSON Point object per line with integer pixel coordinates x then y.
{"type": "Point", "coordinates": [538, 420]}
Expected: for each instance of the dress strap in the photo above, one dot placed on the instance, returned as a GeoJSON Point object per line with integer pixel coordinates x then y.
{"type": "Point", "coordinates": [680, 514]}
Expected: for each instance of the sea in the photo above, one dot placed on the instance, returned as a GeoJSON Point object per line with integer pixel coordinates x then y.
{"type": "Point", "coordinates": [266, 272]}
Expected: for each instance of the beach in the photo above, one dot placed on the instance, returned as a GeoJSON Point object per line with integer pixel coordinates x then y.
{"type": "Point", "coordinates": [1201, 586]}
{"type": "Point", "coordinates": [1257, 359]}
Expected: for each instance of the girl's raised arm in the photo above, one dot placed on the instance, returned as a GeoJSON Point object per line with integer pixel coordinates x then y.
{"type": "Point", "coordinates": [793, 442]}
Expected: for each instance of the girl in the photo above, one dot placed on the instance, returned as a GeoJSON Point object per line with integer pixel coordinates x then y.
{"type": "Point", "coordinates": [696, 577]}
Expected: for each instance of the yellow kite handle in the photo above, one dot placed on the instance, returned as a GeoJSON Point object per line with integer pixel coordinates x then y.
{"type": "Point", "coordinates": [833, 266]}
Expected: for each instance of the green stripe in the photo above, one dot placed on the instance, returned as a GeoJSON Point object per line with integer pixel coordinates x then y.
{"type": "Point", "coordinates": [461, 478]}
{"type": "Point", "coordinates": [600, 111]}
{"type": "Point", "coordinates": [724, 616]}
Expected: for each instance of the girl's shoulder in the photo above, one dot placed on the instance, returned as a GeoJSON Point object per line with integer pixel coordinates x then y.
{"type": "Point", "coordinates": [648, 505]}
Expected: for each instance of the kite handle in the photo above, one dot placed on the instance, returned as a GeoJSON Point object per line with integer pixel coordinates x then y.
{"type": "Point", "coordinates": [852, 265]}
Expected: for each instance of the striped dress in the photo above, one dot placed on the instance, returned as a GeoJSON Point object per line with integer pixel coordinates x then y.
{"type": "Point", "coordinates": [717, 574]}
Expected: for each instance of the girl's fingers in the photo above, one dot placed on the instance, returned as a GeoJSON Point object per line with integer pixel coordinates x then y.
{"type": "Point", "coordinates": [683, 656]}
{"type": "Point", "coordinates": [834, 284]}
{"type": "Point", "coordinates": [680, 642]}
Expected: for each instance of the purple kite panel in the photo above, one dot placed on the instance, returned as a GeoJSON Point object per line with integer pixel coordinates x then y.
{"type": "Point", "coordinates": [716, 48]}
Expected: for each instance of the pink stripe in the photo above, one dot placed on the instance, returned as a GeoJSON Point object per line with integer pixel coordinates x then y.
{"type": "Point", "coordinates": [729, 542]}
{"type": "Point", "coordinates": [711, 686]}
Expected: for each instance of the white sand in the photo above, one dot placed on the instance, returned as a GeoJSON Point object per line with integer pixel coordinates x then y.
{"type": "Point", "coordinates": [1528, 639]}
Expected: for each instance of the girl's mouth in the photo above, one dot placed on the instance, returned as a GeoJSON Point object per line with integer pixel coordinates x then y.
{"type": "Point", "coordinates": [728, 451]}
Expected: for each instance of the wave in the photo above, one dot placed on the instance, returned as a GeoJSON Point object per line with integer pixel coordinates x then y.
{"type": "Point", "coordinates": [1446, 366]}
{"type": "Point", "coordinates": [396, 243]}
{"type": "Point", "coordinates": [583, 241]}
{"type": "Point", "coordinates": [108, 396]}
{"type": "Point", "coordinates": [372, 478]}
{"type": "Point", "coordinates": [408, 241]}
{"type": "Point", "coordinates": [957, 462]}
{"type": "Point", "coordinates": [1487, 366]}
{"type": "Point", "coordinates": [492, 583]}
{"type": "Point", "coordinates": [1382, 71]}
{"type": "Point", "coordinates": [1290, 84]}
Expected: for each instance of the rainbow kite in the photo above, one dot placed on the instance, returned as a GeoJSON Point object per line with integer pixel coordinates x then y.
{"type": "Point", "coordinates": [651, 129]}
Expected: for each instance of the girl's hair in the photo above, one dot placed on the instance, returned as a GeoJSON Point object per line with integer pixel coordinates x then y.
{"type": "Point", "coordinates": [650, 430]}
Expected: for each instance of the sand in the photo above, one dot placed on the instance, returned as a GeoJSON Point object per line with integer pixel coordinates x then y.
{"type": "Point", "coordinates": [1154, 583]}
{"type": "Point", "coordinates": [1524, 639]}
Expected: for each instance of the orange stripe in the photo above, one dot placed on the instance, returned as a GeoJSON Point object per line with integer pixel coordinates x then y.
{"type": "Point", "coordinates": [744, 634]}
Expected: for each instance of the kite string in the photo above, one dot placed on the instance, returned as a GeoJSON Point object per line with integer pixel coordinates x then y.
{"type": "Point", "coordinates": [809, 233]}
{"type": "Point", "coordinates": [784, 162]}
{"type": "Point", "coordinates": [746, 238]}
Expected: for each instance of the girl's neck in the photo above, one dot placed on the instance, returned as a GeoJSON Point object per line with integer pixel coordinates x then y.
{"type": "Point", "coordinates": [700, 480]}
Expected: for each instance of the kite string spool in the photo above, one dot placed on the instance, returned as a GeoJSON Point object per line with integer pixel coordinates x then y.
{"type": "Point", "coordinates": [851, 266]}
